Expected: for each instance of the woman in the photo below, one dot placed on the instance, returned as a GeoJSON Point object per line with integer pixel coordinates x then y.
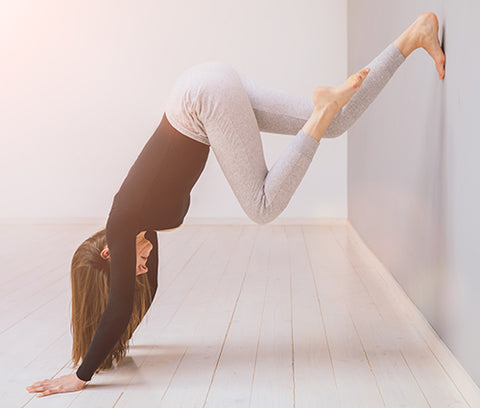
{"type": "Point", "coordinates": [211, 105]}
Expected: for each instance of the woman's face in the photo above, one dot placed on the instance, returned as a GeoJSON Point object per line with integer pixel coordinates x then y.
{"type": "Point", "coordinates": [144, 247]}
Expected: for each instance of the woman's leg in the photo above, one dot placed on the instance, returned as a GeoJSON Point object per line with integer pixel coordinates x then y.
{"type": "Point", "coordinates": [216, 105]}
{"type": "Point", "coordinates": [278, 111]}
{"type": "Point", "coordinates": [209, 103]}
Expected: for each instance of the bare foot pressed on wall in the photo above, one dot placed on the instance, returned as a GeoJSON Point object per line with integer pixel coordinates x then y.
{"type": "Point", "coordinates": [423, 33]}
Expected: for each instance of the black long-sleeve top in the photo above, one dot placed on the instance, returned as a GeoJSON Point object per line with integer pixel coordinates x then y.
{"type": "Point", "coordinates": [154, 196]}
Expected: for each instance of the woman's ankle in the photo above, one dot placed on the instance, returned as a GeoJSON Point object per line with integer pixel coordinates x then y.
{"type": "Point", "coordinates": [319, 120]}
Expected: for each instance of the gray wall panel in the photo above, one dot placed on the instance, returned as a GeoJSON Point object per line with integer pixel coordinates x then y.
{"type": "Point", "coordinates": [414, 166]}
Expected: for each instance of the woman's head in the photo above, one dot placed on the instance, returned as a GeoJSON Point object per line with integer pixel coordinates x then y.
{"type": "Point", "coordinates": [144, 247]}
{"type": "Point", "coordinates": [90, 279]}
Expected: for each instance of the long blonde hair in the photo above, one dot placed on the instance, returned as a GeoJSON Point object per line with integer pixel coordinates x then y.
{"type": "Point", "coordinates": [90, 279]}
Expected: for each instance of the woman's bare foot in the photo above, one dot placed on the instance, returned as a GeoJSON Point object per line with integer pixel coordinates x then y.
{"type": "Point", "coordinates": [328, 101]}
{"type": "Point", "coordinates": [337, 97]}
{"type": "Point", "coordinates": [423, 33]}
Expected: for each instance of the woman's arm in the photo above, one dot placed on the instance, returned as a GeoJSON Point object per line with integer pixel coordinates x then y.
{"type": "Point", "coordinates": [121, 240]}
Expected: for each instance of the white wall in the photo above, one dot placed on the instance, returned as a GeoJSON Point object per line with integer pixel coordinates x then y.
{"type": "Point", "coordinates": [420, 171]}
{"type": "Point", "coordinates": [83, 87]}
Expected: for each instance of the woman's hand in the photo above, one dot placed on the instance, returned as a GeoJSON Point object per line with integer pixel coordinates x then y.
{"type": "Point", "coordinates": [66, 383]}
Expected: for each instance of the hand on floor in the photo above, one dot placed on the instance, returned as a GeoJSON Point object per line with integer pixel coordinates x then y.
{"type": "Point", "coordinates": [66, 383]}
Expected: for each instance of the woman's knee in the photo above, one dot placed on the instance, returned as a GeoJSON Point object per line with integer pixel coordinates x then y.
{"type": "Point", "coordinates": [260, 215]}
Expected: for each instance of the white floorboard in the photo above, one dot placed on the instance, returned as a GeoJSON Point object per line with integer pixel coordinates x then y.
{"type": "Point", "coordinates": [294, 315]}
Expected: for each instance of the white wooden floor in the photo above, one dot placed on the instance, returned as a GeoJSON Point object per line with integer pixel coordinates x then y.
{"type": "Point", "coordinates": [245, 316]}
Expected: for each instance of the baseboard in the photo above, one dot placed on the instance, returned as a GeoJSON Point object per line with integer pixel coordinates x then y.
{"type": "Point", "coordinates": [278, 221]}
{"type": "Point", "coordinates": [452, 367]}
{"type": "Point", "coordinates": [52, 220]}
{"type": "Point", "coordinates": [187, 221]}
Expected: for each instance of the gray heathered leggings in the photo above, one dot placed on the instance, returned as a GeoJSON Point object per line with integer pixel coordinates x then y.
{"type": "Point", "coordinates": [213, 103]}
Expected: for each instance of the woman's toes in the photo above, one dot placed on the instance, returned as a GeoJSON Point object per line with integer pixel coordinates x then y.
{"type": "Point", "coordinates": [345, 91]}
{"type": "Point", "coordinates": [364, 72]}
{"type": "Point", "coordinates": [357, 79]}
{"type": "Point", "coordinates": [441, 71]}
{"type": "Point", "coordinates": [440, 65]}
{"type": "Point", "coordinates": [354, 80]}
{"type": "Point", "coordinates": [436, 52]}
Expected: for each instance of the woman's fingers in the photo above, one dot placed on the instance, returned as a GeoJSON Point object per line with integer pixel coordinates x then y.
{"type": "Point", "coordinates": [37, 386]}
{"type": "Point", "coordinates": [52, 390]}
{"type": "Point", "coordinates": [45, 387]}
{"type": "Point", "coordinates": [40, 386]}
